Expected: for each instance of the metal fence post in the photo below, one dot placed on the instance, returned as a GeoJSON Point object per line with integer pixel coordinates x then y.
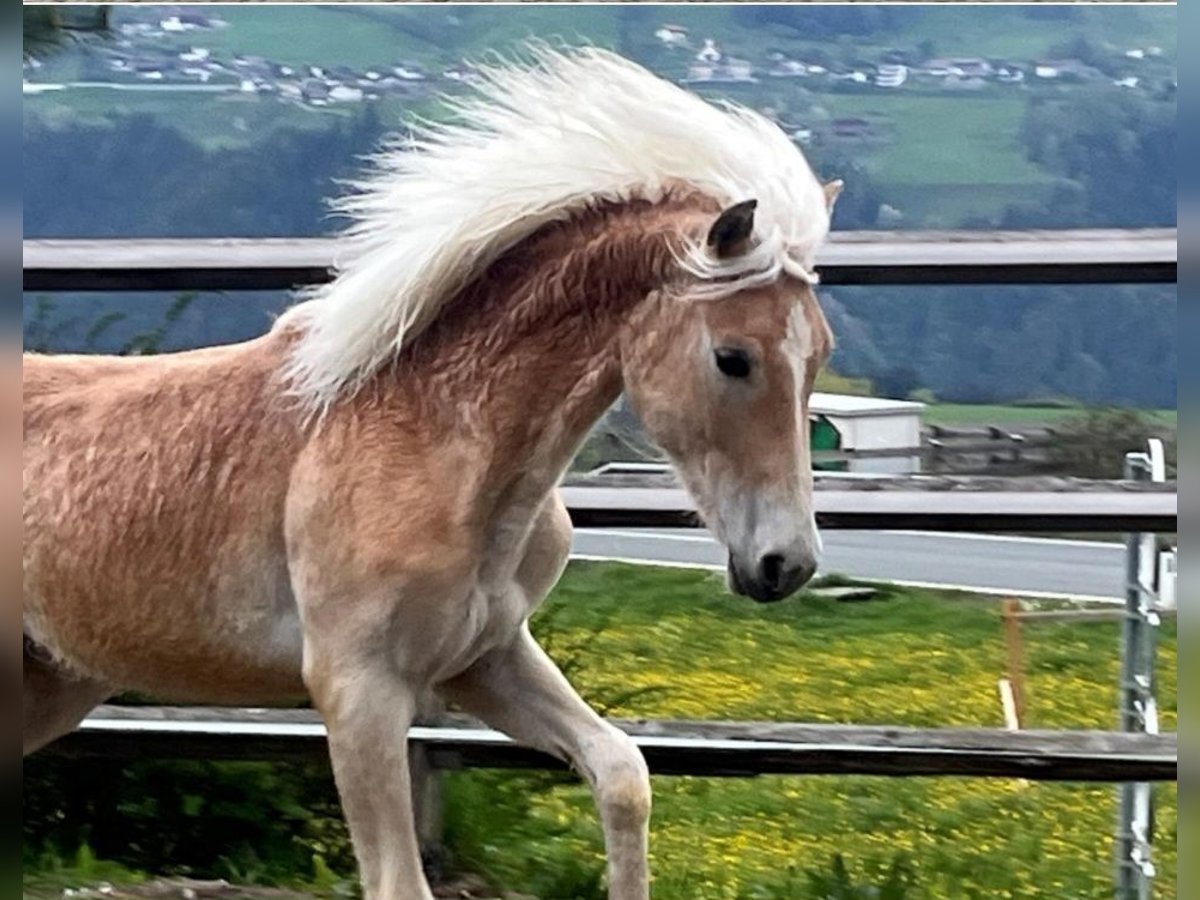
{"type": "Point", "coordinates": [1138, 695]}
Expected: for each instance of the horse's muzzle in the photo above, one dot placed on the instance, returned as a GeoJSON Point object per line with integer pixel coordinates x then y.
{"type": "Point", "coordinates": [772, 578]}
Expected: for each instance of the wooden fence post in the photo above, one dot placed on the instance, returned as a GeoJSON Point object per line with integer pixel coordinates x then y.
{"type": "Point", "coordinates": [1016, 654]}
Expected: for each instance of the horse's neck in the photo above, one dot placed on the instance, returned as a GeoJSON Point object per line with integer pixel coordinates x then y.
{"type": "Point", "coordinates": [527, 359]}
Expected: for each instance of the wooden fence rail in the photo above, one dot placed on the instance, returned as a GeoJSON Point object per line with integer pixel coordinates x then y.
{"type": "Point", "coordinates": [926, 503]}
{"type": "Point", "coordinates": [1094, 256]}
{"type": "Point", "coordinates": [736, 749]}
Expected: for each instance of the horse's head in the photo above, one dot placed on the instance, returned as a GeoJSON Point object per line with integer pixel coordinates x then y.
{"type": "Point", "coordinates": [722, 382]}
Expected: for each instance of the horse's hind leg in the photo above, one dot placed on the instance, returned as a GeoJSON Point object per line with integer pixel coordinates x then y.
{"type": "Point", "coordinates": [55, 701]}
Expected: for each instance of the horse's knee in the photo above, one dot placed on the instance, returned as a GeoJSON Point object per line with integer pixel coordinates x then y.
{"type": "Point", "coordinates": [622, 782]}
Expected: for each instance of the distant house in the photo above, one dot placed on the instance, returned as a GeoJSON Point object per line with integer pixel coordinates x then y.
{"type": "Point", "coordinates": [972, 67]}
{"type": "Point", "coordinates": [315, 91]}
{"type": "Point", "coordinates": [672, 35]}
{"type": "Point", "coordinates": [1057, 68]}
{"type": "Point", "coordinates": [1131, 81]}
{"type": "Point", "coordinates": [1007, 73]}
{"type": "Point", "coordinates": [148, 70]}
{"type": "Point", "coordinates": [891, 75]}
{"type": "Point", "coordinates": [738, 69]}
{"type": "Point", "coordinates": [187, 21]}
{"type": "Point", "coordinates": [854, 77]}
{"type": "Point", "coordinates": [729, 70]}
{"type": "Point", "coordinates": [963, 67]}
{"type": "Point", "coordinates": [789, 68]}
{"type": "Point", "coordinates": [457, 73]}
{"type": "Point", "coordinates": [345, 94]}
{"type": "Point", "coordinates": [710, 52]}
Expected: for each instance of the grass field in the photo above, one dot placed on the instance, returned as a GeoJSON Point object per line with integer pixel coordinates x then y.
{"type": "Point", "coordinates": [930, 132]}
{"type": "Point", "coordinates": [678, 646]}
{"type": "Point", "coordinates": [640, 641]}
{"type": "Point", "coordinates": [969, 414]}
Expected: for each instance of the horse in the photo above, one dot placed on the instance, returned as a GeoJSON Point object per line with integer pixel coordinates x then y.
{"type": "Point", "coordinates": [360, 506]}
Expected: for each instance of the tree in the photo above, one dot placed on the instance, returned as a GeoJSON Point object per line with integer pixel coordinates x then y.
{"type": "Point", "coordinates": [1118, 147]}
{"type": "Point", "coordinates": [1094, 446]}
{"type": "Point", "coordinates": [47, 29]}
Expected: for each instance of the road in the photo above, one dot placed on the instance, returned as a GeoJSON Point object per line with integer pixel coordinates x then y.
{"type": "Point", "coordinates": [987, 563]}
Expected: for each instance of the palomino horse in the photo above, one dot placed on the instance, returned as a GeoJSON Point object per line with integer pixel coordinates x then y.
{"type": "Point", "coordinates": [360, 505]}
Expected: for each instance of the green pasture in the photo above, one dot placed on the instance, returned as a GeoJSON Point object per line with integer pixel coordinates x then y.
{"type": "Point", "coordinates": [940, 140]}
{"type": "Point", "coordinates": [678, 646]}
{"type": "Point", "coordinates": [981, 414]}
{"type": "Point", "coordinates": [641, 641]}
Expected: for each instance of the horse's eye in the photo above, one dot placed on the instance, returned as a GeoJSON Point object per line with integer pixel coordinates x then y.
{"type": "Point", "coordinates": [731, 362]}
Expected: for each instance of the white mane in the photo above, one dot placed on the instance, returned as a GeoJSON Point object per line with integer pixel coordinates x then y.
{"type": "Point", "coordinates": [536, 144]}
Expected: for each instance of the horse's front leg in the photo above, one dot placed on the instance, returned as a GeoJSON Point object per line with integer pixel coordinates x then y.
{"type": "Point", "coordinates": [368, 708]}
{"type": "Point", "coordinates": [520, 691]}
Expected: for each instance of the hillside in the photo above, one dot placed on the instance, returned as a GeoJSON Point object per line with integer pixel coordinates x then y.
{"type": "Point", "coordinates": [221, 121]}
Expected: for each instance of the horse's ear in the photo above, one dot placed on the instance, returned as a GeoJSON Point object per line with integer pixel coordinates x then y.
{"type": "Point", "coordinates": [730, 234]}
{"type": "Point", "coordinates": [832, 191]}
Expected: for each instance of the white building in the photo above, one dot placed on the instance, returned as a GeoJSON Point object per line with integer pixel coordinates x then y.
{"type": "Point", "coordinates": [871, 423]}
{"type": "Point", "coordinates": [345, 94]}
{"type": "Point", "coordinates": [672, 35]}
{"type": "Point", "coordinates": [709, 53]}
{"type": "Point", "coordinates": [891, 76]}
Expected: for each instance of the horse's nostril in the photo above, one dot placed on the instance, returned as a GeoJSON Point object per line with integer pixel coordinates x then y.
{"type": "Point", "coordinates": [771, 570]}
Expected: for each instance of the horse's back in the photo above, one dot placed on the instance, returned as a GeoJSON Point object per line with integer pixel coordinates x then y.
{"type": "Point", "coordinates": [154, 495]}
